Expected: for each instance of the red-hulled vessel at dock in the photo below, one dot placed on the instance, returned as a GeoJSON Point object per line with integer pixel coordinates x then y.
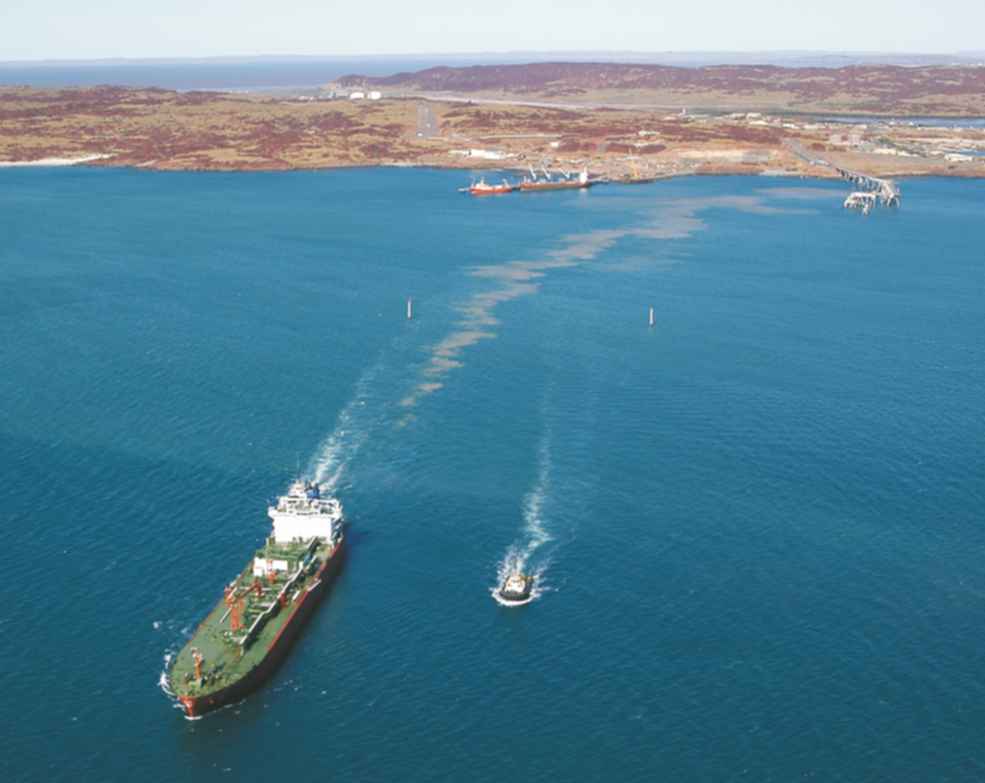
{"type": "Point", "coordinates": [482, 188]}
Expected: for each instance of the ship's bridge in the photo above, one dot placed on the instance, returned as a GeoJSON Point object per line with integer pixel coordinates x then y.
{"type": "Point", "coordinates": [304, 514]}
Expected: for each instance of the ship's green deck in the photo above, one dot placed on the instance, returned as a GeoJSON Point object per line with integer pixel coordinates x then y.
{"type": "Point", "coordinates": [225, 661]}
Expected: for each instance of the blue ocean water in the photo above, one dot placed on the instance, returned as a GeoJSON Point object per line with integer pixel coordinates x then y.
{"type": "Point", "coordinates": [214, 74]}
{"type": "Point", "coordinates": [922, 122]}
{"type": "Point", "coordinates": [759, 524]}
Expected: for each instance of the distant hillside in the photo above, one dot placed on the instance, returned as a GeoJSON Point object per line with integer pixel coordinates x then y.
{"type": "Point", "coordinates": [883, 89]}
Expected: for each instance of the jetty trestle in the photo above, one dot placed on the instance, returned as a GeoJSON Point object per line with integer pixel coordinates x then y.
{"type": "Point", "coordinates": [885, 191]}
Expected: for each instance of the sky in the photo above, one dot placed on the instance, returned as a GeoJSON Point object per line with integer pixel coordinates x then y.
{"type": "Point", "coordinates": [95, 29]}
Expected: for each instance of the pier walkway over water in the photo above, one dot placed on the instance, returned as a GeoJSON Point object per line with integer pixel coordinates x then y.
{"type": "Point", "coordinates": [886, 190]}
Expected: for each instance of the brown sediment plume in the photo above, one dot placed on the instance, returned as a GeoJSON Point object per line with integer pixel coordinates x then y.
{"type": "Point", "coordinates": [805, 193]}
{"type": "Point", "coordinates": [514, 279]}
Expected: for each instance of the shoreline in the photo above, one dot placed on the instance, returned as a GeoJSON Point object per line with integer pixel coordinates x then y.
{"type": "Point", "coordinates": [170, 131]}
{"type": "Point", "coordinates": [55, 162]}
{"type": "Point", "coordinates": [89, 163]}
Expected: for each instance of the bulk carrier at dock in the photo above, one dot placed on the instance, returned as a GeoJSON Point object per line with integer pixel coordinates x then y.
{"type": "Point", "coordinates": [533, 183]}
{"type": "Point", "coordinates": [567, 183]}
{"type": "Point", "coordinates": [250, 630]}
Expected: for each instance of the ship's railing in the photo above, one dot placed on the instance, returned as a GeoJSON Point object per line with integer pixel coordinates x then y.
{"type": "Point", "coordinates": [296, 550]}
{"type": "Point", "coordinates": [254, 630]}
{"type": "Point", "coordinates": [307, 509]}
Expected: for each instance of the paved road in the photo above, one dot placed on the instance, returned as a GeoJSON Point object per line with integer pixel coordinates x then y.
{"type": "Point", "coordinates": [442, 98]}
{"type": "Point", "coordinates": [427, 124]}
{"type": "Point", "coordinates": [797, 149]}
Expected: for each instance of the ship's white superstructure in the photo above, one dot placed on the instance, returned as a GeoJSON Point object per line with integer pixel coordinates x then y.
{"type": "Point", "coordinates": [515, 589]}
{"type": "Point", "coordinates": [304, 514]}
{"type": "Point", "coordinates": [515, 584]}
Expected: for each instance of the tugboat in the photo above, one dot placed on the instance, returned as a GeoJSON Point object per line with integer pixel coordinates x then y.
{"type": "Point", "coordinates": [516, 588]}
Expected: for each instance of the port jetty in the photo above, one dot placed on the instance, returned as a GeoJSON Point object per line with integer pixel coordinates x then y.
{"type": "Point", "coordinates": [622, 123]}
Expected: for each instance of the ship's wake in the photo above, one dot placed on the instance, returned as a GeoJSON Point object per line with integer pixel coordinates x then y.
{"type": "Point", "coordinates": [163, 680]}
{"type": "Point", "coordinates": [164, 684]}
{"type": "Point", "coordinates": [515, 560]}
{"type": "Point", "coordinates": [352, 429]}
{"type": "Point", "coordinates": [522, 556]}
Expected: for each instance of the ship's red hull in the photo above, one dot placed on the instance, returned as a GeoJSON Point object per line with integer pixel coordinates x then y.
{"type": "Point", "coordinates": [529, 187]}
{"type": "Point", "coordinates": [495, 191]}
{"type": "Point", "coordinates": [301, 611]}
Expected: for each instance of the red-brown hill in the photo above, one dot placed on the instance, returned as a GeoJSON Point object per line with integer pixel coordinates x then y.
{"type": "Point", "coordinates": [870, 88]}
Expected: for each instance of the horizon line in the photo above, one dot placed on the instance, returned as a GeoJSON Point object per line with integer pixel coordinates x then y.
{"type": "Point", "coordinates": [54, 61]}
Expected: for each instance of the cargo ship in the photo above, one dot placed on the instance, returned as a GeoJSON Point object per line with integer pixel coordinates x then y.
{"type": "Point", "coordinates": [251, 628]}
{"type": "Point", "coordinates": [482, 188]}
{"type": "Point", "coordinates": [581, 181]}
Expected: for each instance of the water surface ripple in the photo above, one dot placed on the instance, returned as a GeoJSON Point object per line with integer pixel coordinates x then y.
{"type": "Point", "coordinates": [763, 517]}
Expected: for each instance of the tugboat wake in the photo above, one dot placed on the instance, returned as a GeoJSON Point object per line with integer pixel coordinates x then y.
{"type": "Point", "coordinates": [517, 582]}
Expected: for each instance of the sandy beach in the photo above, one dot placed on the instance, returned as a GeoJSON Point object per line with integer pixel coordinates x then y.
{"type": "Point", "coordinates": [7, 164]}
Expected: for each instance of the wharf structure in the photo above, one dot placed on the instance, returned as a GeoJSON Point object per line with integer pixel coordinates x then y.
{"type": "Point", "coordinates": [861, 200]}
{"type": "Point", "coordinates": [884, 191]}
{"type": "Point", "coordinates": [871, 190]}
